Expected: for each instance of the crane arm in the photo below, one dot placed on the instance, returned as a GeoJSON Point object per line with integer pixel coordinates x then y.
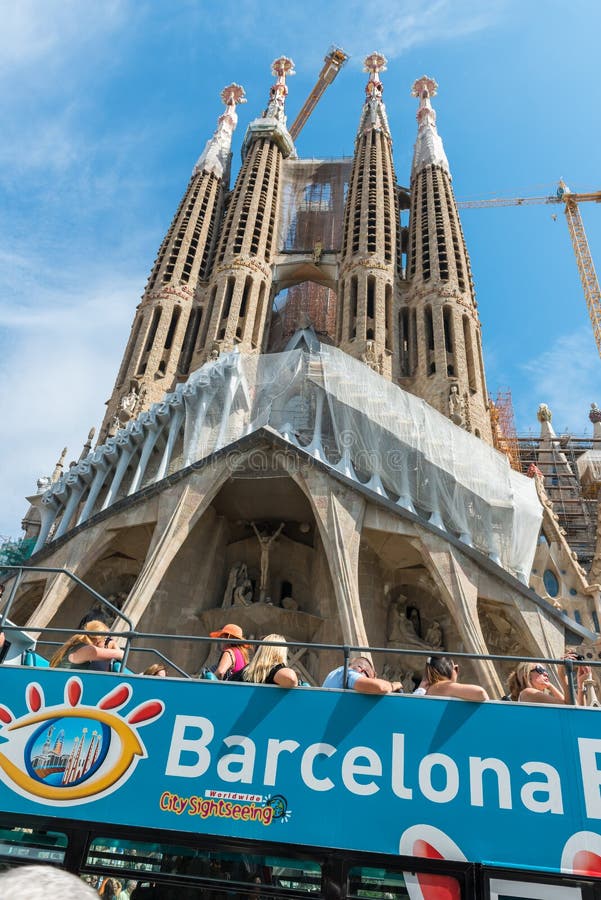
{"type": "Point", "coordinates": [529, 201]}
{"type": "Point", "coordinates": [584, 260]}
{"type": "Point", "coordinates": [333, 62]}
{"type": "Point", "coordinates": [586, 267]}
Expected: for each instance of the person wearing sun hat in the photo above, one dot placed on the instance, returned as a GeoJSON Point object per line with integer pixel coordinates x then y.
{"type": "Point", "coordinates": [234, 653]}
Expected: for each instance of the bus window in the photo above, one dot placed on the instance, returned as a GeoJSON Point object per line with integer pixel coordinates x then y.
{"type": "Point", "coordinates": [30, 845]}
{"type": "Point", "coordinates": [503, 889]}
{"type": "Point", "coordinates": [389, 884]}
{"type": "Point", "coordinates": [243, 875]}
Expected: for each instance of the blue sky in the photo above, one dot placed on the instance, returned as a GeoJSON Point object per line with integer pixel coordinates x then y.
{"type": "Point", "coordinates": [105, 107]}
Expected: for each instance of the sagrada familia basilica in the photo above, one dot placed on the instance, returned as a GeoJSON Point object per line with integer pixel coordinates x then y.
{"type": "Point", "coordinates": [300, 437]}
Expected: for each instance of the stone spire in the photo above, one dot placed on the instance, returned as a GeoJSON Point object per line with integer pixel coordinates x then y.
{"type": "Point", "coordinates": [281, 68]}
{"type": "Point", "coordinates": [167, 323]}
{"type": "Point", "coordinates": [595, 417]}
{"type": "Point", "coordinates": [429, 150]}
{"type": "Point", "coordinates": [374, 110]}
{"type": "Point", "coordinates": [216, 155]}
{"type": "Point", "coordinates": [239, 289]}
{"type": "Point", "coordinates": [58, 469]}
{"type": "Point", "coordinates": [439, 329]}
{"type": "Point", "coordinates": [88, 444]}
{"type": "Point", "coordinates": [272, 123]}
{"type": "Point", "coordinates": [367, 310]}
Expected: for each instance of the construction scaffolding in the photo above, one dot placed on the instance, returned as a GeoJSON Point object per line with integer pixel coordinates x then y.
{"type": "Point", "coordinates": [313, 196]}
{"type": "Point", "coordinates": [577, 513]}
{"type": "Point", "coordinates": [505, 437]}
{"type": "Point", "coordinates": [305, 305]}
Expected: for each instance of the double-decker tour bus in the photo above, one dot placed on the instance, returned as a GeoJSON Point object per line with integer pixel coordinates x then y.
{"type": "Point", "coordinates": [232, 791]}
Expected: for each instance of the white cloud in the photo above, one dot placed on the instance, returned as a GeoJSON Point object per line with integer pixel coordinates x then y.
{"type": "Point", "coordinates": [567, 378]}
{"type": "Point", "coordinates": [57, 368]}
{"type": "Point", "coordinates": [398, 27]}
{"type": "Point", "coordinates": [45, 33]}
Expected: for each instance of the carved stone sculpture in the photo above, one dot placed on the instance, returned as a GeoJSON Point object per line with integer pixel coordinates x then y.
{"type": "Point", "coordinates": [238, 591]}
{"type": "Point", "coordinates": [401, 627]}
{"type": "Point", "coordinates": [243, 592]}
{"type": "Point", "coordinates": [434, 636]}
{"type": "Point", "coordinates": [455, 406]}
{"type": "Point", "coordinates": [370, 357]}
{"type": "Point", "coordinates": [265, 541]}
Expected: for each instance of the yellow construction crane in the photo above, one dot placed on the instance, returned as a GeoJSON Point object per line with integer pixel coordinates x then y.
{"type": "Point", "coordinates": [584, 260]}
{"type": "Point", "coordinates": [333, 63]}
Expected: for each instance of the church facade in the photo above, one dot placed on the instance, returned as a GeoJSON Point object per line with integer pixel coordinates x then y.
{"type": "Point", "coordinates": [299, 438]}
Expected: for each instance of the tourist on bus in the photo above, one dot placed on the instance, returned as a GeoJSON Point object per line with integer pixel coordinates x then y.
{"type": "Point", "coordinates": [110, 890]}
{"type": "Point", "coordinates": [535, 686]}
{"type": "Point", "coordinates": [441, 675]}
{"type": "Point", "coordinates": [234, 653]}
{"type": "Point", "coordinates": [361, 676]}
{"type": "Point", "coordinates": [269, 665]}
{"type": "Point", "coordinates": [158, 670]}
{"type": "Point", "coordinates": [88, 651]}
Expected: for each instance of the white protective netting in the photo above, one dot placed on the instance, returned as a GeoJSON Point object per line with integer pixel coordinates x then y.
{"type": "Point", "coordinates": [353, 419]}
{"type": "Point", "coordinates": [312, 210]}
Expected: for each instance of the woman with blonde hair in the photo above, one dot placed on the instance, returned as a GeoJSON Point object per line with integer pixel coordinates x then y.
{"type": "Point", "coordinates": [88, 651]}
{"type": "Point", "coordinates": [532, 680]}
{"type": "Point", "coordinates": [441, 676]}
{"type": "Point", "coordinates": [269, 665]}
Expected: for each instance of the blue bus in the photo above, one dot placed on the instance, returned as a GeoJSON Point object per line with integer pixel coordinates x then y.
{"type": "Point", "coordinates": [197, 788]}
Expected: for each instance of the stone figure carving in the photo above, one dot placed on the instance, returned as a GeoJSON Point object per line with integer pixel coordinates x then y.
{"type": "Point", "coordinates": [370, 357]}
{"type": "Point", "coordinates": [544, 413]}
{"type": "Point", "coordinates": [243, 592]}
{"type": "Point", "coordinates": [214, 354]}
{"type": "Point", "coordinates": [455, 405]}
{"type": "Point", "coordinates": [401, 626]}
{"type": "Point", "coordinates": [413, 614]}
{"type": "Point", "coordinates": [239, 590]}
{"type": "Point", "coordinates": [265, 541]}
{"type": "Point", "coordinates": [43, 483]}
{"type": "Point", "coordinates": [434, 636]}
{"type": "Point", "coordinates": [129, 402]}
{"type": "Point", "coordinates": [289, 603]}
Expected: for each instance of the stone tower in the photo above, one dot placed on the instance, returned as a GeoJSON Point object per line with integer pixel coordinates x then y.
{"type": "Point", "coordinates": [366, 306]}
{"type": "Point", "coordinates": [240, 286]}
{"type": "Point", "coordinates": [167, 321]}
{"type": "Point", "coordinates": [441, 351]}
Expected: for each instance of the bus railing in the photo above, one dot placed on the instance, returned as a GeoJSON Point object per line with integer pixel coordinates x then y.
{"type": "Point", "coordinates": [346, 651]}
{"type": "Point", "coordinates": [132, 637]}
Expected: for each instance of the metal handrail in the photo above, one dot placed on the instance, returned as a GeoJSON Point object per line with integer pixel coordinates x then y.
{"type": "Point", "coordinates": [347, 650]}
{"type": "Point", "coordinates": [102, 600]}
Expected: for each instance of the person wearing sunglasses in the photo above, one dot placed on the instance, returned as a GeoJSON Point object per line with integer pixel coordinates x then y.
{"type": "Point", "coordinates": [441, 677]}
{"type": "Point", "coordinates": [532, 680]}
{"type": "Point", "coordinates": [361, 677]}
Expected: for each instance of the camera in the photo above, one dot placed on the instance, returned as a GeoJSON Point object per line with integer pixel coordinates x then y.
{"type": "Point", "coordinates": [579, 656]}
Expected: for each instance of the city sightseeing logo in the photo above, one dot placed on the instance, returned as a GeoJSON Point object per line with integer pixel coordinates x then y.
{"type": "Point", "coordinates": [71, 753]}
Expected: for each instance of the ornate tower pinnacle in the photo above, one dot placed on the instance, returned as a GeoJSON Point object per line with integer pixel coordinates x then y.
{"type": "Point", "coordinates": [240, 285]}
{"type": "Point", "coordinates": [281, 68]}
{"type": "Point", "coordinates": [367, 309]}
{"type": "Point", "coordinates": [216, 154]}
{"type": "Point", "coordinates": [374, 64]}
{"type": "Point", "coordinates": [374, 111]}
{"type": "Point", "coordinates": [429, 150]}
{"type": "Point", "coordinates": [439, 329]}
